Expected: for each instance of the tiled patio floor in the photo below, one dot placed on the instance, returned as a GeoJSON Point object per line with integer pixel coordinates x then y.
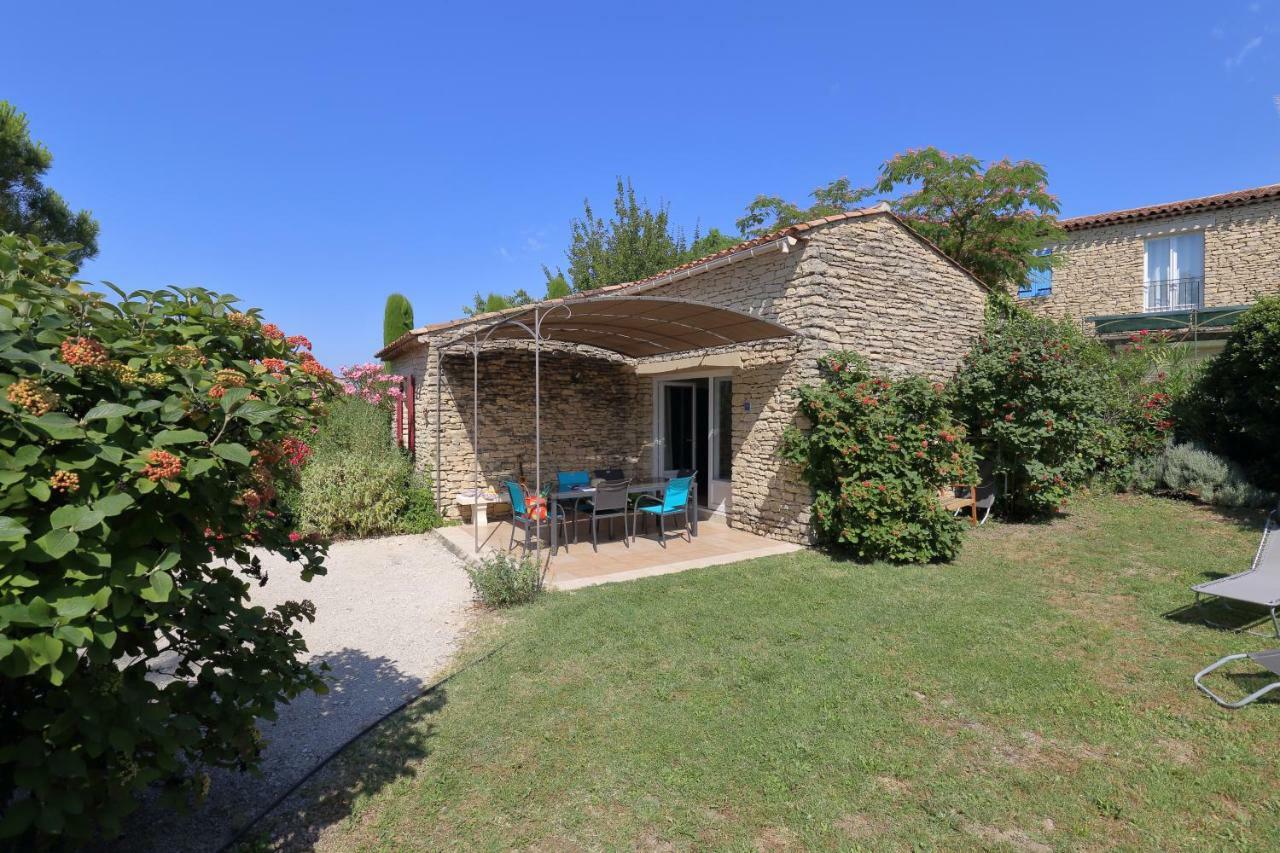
{"type": "Point", "coordinates": [579, 566]}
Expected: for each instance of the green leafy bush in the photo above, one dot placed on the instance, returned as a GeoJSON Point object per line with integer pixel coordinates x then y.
{"type": "Point", "coordinates": [1236, 407]}
{"type": "Point", "coordinates": [357, 482]}
{"type": "Point", "coordinates": [1034, 395]}
{"type": "Point", "coordinates": [1189, 471]}
{"type": "Point", "coordinates": [502, 579]}
{"type": "Point", "coordinates": [876, 453]}
{"type": "Point", "coordinates": [141, 443]}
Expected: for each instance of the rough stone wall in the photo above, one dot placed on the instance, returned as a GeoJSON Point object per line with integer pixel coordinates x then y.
{"type": "Point", "coordinates": [588, 417]}
{"type": "Point", "coordinates": [1103, 269]}
{"type": "Point", "coordinates": [865, 284]}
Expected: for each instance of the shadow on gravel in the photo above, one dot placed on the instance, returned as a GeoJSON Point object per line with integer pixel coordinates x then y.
{"type": "Point", "coordinates": [378, 759]}
{"type": "Point", "coordinates": [362, 689]}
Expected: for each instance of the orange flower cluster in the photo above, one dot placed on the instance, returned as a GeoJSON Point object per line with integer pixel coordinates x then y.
{"type": "Point", "coordinates": [313, 367]}
{"type": "Point", "coordinates": [65, 482]}
{"type": "Point", "coordinates": [272, 332]}
{"type": "Point", "coordinates": [275, 365]}
{"type": "Point", "coordinates": [161, 465]}
{"type": "Point", "coordinates": [32, 396]}
{"type": "Point", "coordinates": [241, 319]}
{"type": "Point", "coordinates": [84, 352]}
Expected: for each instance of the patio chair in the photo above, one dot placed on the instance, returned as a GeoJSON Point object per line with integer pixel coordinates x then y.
{"type": "Point", "coordinates": [1269, 660]}
{"type": "Point", "coordinates": [674, 501]}
{"type": "Point", "coordinates": [1260, 585]}
{"type": "Point", "coordinates": [986, 500]}
{"type": "Point", "coordinates": [609, 502]}
{"type": "Point", "coordinates": [520, 516]}
{"type": "Point", "coordinates": [566, 480]}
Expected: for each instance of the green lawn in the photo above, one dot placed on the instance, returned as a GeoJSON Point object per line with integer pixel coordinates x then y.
{"type": "Point", "coordinates": [1033, 695]}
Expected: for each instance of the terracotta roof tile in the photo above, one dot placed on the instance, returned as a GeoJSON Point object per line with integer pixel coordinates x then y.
{"type": "Point", "coordinates": [1172, 208]}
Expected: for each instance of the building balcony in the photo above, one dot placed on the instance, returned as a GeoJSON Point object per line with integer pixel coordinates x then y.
{"type": "Point", "coordinates": [1174, 294]}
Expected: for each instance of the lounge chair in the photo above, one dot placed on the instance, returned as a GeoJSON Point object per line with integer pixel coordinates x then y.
{"type": "Point", "coordinates": [1261, 584]}
{"type": "Point", "coordinates": [1269, 660]}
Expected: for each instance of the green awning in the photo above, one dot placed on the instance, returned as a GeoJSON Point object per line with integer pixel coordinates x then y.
{"type": "Point", "coordinates": [1183, 321]}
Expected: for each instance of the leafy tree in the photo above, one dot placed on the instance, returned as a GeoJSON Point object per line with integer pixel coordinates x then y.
{"type": "Point", "coordinates": [991, 220]}
{"type": "Point", "coordinates": [27, 206]}
{"type": "Point", "coordinates": [710, 243]}
{"type": "Point", "coordinates": [142, 444]}
{"type": "Point", "coordinates": [1235, 408]}
{"type": "Point", "coordinates": [636, 243]}
{"type": "Point", "coordinates": [558, 286]}
{"type": "Point", "coordinates": [496, 302]}
{"type": "Point", "coordinates": [397, 318]}
{"type": "Point", "coordinates": [768, 213]}
{"type": "Point", "coordinates": [876, 453]}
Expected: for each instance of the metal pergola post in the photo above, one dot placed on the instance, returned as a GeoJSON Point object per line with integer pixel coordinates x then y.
{"type": "Point", "coordinates": [534, 332]}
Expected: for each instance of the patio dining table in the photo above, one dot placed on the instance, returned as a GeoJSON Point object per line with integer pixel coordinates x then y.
{"type": "Point", "coordinates": [636, 488]}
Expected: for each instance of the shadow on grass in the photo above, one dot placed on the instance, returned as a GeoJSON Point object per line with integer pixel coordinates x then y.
{"type": "Point", "coordinates": [1245, 519]}
{"type": "Point", "coordinates": [1227, 616]}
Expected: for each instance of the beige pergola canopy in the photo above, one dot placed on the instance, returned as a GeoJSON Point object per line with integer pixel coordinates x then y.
{"type": "Point", "coordinates": [631, 326]}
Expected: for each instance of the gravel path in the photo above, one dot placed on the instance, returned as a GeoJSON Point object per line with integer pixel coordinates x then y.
{"type": "Point", "coordinates": [389, 614]}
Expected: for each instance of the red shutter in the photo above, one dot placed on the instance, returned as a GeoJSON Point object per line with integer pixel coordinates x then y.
{"type": "Point", "coordinates": [413, 426]}
{"type": "Point", "coordinates": [400, 420]}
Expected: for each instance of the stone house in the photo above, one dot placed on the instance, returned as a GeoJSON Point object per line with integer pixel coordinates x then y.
{"type": "Point", "coordinates": [1189, 267]}
{"type": "Point", "coordinates": [650, 405]}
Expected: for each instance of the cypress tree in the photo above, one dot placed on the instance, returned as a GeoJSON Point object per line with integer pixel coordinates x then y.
{"type": "Point", "coordinates": [397, 319]}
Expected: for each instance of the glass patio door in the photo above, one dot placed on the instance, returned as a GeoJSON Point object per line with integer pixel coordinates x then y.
{"type": "Point", "coordinates": [684, 425]}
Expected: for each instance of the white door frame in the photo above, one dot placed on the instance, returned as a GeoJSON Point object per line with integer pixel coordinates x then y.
{"type": "Point", "coordinates": [720, 492]}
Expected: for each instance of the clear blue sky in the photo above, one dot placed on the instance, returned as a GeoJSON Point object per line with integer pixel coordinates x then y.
{"type": "Point", "coordinates": [312, 157]}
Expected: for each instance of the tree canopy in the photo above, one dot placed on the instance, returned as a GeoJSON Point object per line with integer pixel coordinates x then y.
{"type": "Point", "coordinates": [29, 207]}
{"type": "Point", "coordinates": [992, 219]}
{"type": "Point", "coordinates": [637, 242]}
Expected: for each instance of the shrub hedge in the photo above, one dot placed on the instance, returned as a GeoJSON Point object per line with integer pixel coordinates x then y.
{"type": "Point", "coordinates": [1235, 409]}
{"type": "Point", "coordinates": [357, 482]}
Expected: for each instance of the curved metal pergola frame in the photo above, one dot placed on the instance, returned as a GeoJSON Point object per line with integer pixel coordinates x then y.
{"type": "Point", "coordinates": [533, 327]}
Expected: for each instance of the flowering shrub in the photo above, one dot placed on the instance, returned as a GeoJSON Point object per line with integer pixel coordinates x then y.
{"type": "Point", "coordinates": [876, 454]}
{"type": "Point", "coordinates": [371, 382]}
{"type": "Point", "coordinates": [1033, 393]}
{"type": "Point", "coordinates": [131, 497]}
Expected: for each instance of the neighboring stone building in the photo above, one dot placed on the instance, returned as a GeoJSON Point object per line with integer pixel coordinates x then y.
{"type": "Point", "coordinates": [1187, 266]}
{"type": "Point", "coordinates": [862, 281]}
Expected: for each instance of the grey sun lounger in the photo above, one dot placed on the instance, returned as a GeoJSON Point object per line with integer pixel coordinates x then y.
{"type": "Point", "coordinates": [1261, 584]}
{"type": "Point", "coordinates": [1269, 660]}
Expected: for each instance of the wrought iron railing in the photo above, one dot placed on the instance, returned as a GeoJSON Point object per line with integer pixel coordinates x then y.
{"type": "Point", "coordinates": [1175, 294]}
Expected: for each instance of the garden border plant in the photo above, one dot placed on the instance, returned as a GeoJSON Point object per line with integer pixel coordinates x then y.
{"type": "Point", "coordinates": [142, 443]}
{"type": "Point", "coordinates": [876, 453]}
